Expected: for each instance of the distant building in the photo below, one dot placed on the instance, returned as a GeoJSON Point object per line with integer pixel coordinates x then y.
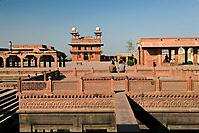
{"type": "Point", "coordinates": [31, 55]}
{"type": "Point", "coordinates": [119, 56]}
{"type": "Point", "coordinates": [179, 50]}
{"type": "Point", "coordinates": [86, 48]}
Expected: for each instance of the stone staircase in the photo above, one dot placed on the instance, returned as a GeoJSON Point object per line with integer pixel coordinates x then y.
{"type": "Point", "coordinates": [8, 108]}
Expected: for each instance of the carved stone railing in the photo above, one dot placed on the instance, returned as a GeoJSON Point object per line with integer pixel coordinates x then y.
{"type": "Point", "coordinates": [65, 102]}
{"type": "Point", "coordinates": [33, 85]}
{"type": "Point", "coordinates": [8, 86]}
{"type": "Point", "coordinates": [104, 85]}
{"type": "Point", "coordinates": [165, 100]}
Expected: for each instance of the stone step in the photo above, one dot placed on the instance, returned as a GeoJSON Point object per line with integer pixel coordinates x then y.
{"type": "Point", "coordinates": [3, 91]}
{"type": "Point", "coordinates": [9, 107]}
{"type": "Point", "coordinates": [7, 99]}
{"type": "Point", "coordinates": [8, 102]}
{"type": "Point", "coordinates": [8, 93]}
{"type": "Point", "coordinates": [8, 114]}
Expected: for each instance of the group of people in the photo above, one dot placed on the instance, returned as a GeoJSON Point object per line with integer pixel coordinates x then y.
{"type": "Point", "coordinates": [167, 60]}
{"type": "Point", "coordinates": [120, 67]}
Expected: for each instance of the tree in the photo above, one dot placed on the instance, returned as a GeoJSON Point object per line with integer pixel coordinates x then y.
{"type": "Point", "coordinates": [131, 48]}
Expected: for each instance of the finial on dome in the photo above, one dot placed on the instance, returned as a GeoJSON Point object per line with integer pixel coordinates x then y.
{"type": "Point", "coordinates": [74, 29]}
{"type": "Point", "coordinates": [74, 32]}
{"type": "Point", "coordinates": [97, 28]}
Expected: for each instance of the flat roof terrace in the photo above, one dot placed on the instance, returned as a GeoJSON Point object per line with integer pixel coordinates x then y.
{"type": "Point", "coordinates": [169, 42]}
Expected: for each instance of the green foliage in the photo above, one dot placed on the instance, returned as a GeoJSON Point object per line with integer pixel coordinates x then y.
{"type": "Point", "coordinates": [190, 62]}
{"type": "Point", "coordinates": [131, 47]}
{"type": "Point", "coordinates": [130, 63]}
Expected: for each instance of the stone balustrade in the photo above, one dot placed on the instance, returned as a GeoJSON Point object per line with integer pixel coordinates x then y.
{"type": "Point", "coordinates": [109, 84]}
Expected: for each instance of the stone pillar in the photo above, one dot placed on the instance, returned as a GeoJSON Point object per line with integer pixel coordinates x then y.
{"type": "Point", "coordinates": [195, 57]}
{"type": "Point", "coordinates": [126, 84]}
{"type": "Point", "coordinates": [56, 63]}
{"type": "Point", "coordinates": [189, 84]}
{"type": "Point", "coordinates": [38, 61]}
{"type": "Point", "coordinates": [44, 73]}
{"type": "Point", "coordinates": [157, 84]}
{"type": "Point", "coordinates": [169, 54]}
{"type": "Point", "coordinates": [4, 62]}
{"type": "Point", "coordinates": [81, 88]}
{"type": "Point", "coordinates": [19, 85]}
{"type": "Point", "coordinates": [186, 58]}
{"type": "Point", "coordinates": [141, 56]}
{"type": "Point", "coordinates": [64, 64]}
{"type": "Point", "coordinates": [49, 85]}
{"type": "Point", "coordinates": [160, 57]}
{"type": "Point", "coordinates": [21, 62]}
{"type": "Point", "coordinates": [176, 55]}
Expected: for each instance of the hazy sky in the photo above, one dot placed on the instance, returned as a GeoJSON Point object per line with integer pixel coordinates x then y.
{"type": "Point", "coordinates": [50, 21]}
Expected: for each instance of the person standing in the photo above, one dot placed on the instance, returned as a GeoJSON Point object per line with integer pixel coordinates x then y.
{"type": "Point", "coordinates": [112, 67]}
{"type": "Point", "coordinates": [121, 67]}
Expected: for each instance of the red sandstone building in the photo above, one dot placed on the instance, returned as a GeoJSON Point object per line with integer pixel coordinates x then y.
{"type": "Point", "coordinates": [86, 48]}
{"type": "Point", "coordinates": [32, 55]}
{"type": "Point", "coordinates": [151, 50]}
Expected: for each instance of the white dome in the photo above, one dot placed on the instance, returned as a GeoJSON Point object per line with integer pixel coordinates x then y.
{"type": "Point", "coordinates": [97, 28]}
{"type": "Point", "coordinates": [73, 29]}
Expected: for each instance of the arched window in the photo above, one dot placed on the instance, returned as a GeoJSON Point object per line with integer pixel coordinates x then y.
{"type": "Point", "coordinates": [30, 61]}
{"type": "Point", "coordinates": [13, 61]}
{"type": "Point", "coordinates": [46, 61]}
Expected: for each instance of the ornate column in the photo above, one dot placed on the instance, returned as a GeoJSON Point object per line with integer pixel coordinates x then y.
{"type": "Point", "coordinates": [195, 57]}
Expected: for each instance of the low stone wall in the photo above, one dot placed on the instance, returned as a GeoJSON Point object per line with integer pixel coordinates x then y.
{"type": "Point", "coordinates": [8, 86]}
{"type": "Point", "coordinates": [104, 85]}
{"type": "Point", "coordinates": [68, 122]}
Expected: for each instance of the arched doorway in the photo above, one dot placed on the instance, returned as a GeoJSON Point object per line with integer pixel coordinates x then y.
{"type": "Point", "coordinates": [30, 61]}
{"type": "Point", "coordinates": [1, 62]}
{"type": "Point", "coordinates": [13, 61]}
{"type": "Point", "coordinates": [46, 61]}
